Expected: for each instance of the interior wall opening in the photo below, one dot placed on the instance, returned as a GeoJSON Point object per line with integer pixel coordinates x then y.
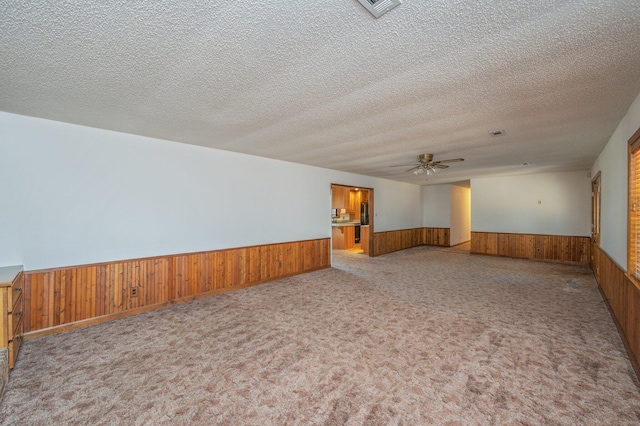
{"type": "Point", "coordinates": [351, 219]}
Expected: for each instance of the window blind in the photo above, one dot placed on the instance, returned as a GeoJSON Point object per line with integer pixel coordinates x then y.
{"type": "Point", "coordinates": [634, 207]}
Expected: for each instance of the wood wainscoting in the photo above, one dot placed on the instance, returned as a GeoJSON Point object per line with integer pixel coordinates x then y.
{"type": "Point", "coordinates": [63, 298]}
{"type": "Point", "coordinates": [622, 297]}
{"type": "Point", "coordinates": [436, 236]}
{"type": "Point", "coordinates": [532, 246]}
{"type": "Point", "coordinates": [390, 241]}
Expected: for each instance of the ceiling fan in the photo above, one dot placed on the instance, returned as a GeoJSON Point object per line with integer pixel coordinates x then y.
{"type": "Point", "coordinates": [426, 165]}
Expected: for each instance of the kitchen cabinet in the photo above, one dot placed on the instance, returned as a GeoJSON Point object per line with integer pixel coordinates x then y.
{"type": "Point", "coordinates": [337, 238]}
{"type": "Point", "coordinates": [354, 204]}
{"type": "Point", "coordinates": [349, 236]}
{"type": "Point", "coordinates": [343, 237]}
{"type": "Point", "coordinates": [340, 198]}
{"type": "Point", "coordinates": [337, 197]}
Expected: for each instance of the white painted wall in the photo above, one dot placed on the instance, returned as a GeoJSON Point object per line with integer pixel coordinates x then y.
{"type": "Point", "coordinates": [436, 206]}
{"type": "Point", "coordinates": [510, 204]}
{"type": "Point", "coordinates": [613, 166]}
{"type": "Point", "coordinates": [72, 195]}
{"type": "Point", "coordinates": [460, 215]}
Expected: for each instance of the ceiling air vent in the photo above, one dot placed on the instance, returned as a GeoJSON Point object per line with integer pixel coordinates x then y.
{"type": "Point", "coordinates": [379, 7]}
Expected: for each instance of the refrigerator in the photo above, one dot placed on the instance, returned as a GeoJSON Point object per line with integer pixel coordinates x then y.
{"type": "Point", "coordinates": [364, 213]}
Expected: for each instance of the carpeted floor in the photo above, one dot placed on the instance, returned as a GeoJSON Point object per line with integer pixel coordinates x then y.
{"type": "Point", "coordinates": [422, 336]}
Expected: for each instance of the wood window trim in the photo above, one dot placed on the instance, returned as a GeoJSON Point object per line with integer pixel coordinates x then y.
{"type": "Point", "coordinates": [596, 211]}
{"type": "Point", "coordinates": [633, 210]}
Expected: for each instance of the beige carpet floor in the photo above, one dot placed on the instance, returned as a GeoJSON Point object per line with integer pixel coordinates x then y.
{"type": "Point", "coordinates": [418, 337]}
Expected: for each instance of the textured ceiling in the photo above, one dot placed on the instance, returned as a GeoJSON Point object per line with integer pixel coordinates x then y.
{"type": "Point", "coordinates": [326, 84]}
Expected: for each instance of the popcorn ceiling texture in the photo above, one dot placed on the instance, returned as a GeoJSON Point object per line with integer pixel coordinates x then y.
{"type": "Point", "coordinates": [326, 84]}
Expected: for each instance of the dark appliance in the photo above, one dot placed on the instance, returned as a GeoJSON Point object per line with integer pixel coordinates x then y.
{"type": "Point", "coordinates": [364, 213]}
{"type": "Point", "coordinates": [357, 239]}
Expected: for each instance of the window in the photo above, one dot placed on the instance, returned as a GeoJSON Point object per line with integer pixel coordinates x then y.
{"type": "Point", "coordinates": [633, 245]}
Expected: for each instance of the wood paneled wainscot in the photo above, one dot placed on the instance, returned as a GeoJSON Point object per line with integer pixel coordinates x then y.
{"type": "Point", "coordinates": [623, 299]}
{"type": "Point", "coordinates": [11, 304]}
{"type": "Point", "coordinates": [532, 246]}
{"type": "Point", "coordinates": [390, 241]}
{"type": "Point", "coordinates": [436, 237]}
{"type": "Point", "coordinates": [63, 298]}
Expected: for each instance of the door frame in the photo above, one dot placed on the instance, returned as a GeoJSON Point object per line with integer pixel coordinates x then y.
{"type": "Point", "coordinates": [596, 201]}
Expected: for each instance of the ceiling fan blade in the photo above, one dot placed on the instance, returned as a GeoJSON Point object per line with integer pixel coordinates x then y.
{"type": "Point", "coordinates": [452, 160]}
{"type": "Point", "coordinates": [440, 166]}
{"type": "Point", "coordinates": [404, 165]}
{"type": "Point", "coordinates": [413, 168]}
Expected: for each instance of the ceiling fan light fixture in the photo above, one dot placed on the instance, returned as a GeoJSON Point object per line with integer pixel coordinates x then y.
{"type": "Point", "coordinates": [426, 165]}
{"type": "Point", "coordinates": [431, 170]}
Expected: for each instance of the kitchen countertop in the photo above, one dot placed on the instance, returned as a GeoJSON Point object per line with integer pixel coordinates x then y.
{"type": "Point", "coordinates": [351, 223]}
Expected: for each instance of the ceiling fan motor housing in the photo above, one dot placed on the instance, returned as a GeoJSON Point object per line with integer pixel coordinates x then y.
{"type": "Point", "coordinates": [425, 158]}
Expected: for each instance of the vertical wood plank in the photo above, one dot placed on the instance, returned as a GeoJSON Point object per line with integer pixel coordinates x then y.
{"type": "Point", "coordinates": [26, 308]}
{"type": "Point", "coordinates": [180, 276]}
{"type": "Point", "coordinates": [100, 305]}
{"type": "Point", "coordinates": [36, 301]}
{"type": "Point", "coordinates": [55, 307]}
{"type": "Point", "coordinates": [92, 283]}
{"type": "Point", "coordinates": [221, 272]}
{"type": "Point", "coordinates": [47, 299]}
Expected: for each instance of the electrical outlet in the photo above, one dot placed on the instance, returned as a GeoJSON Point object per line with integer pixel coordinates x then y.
{"type": "Point", "coordinates": [134, 292]}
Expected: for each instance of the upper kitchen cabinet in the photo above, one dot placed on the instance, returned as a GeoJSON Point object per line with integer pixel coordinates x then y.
{"type": "Point", "coordinates": [354, 204]}
{"type": "Point", "coordinates": [339, 197]}
{"type": "Point", "coordinates": [364, 196]}
{"type": "Point", "coordinates": [336, 197]}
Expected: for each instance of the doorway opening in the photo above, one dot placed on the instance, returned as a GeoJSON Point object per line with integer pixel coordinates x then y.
{"type": "Point", "coordinates": [460, 226]}
{"type": "Point", "coordinates": [352, 219]}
